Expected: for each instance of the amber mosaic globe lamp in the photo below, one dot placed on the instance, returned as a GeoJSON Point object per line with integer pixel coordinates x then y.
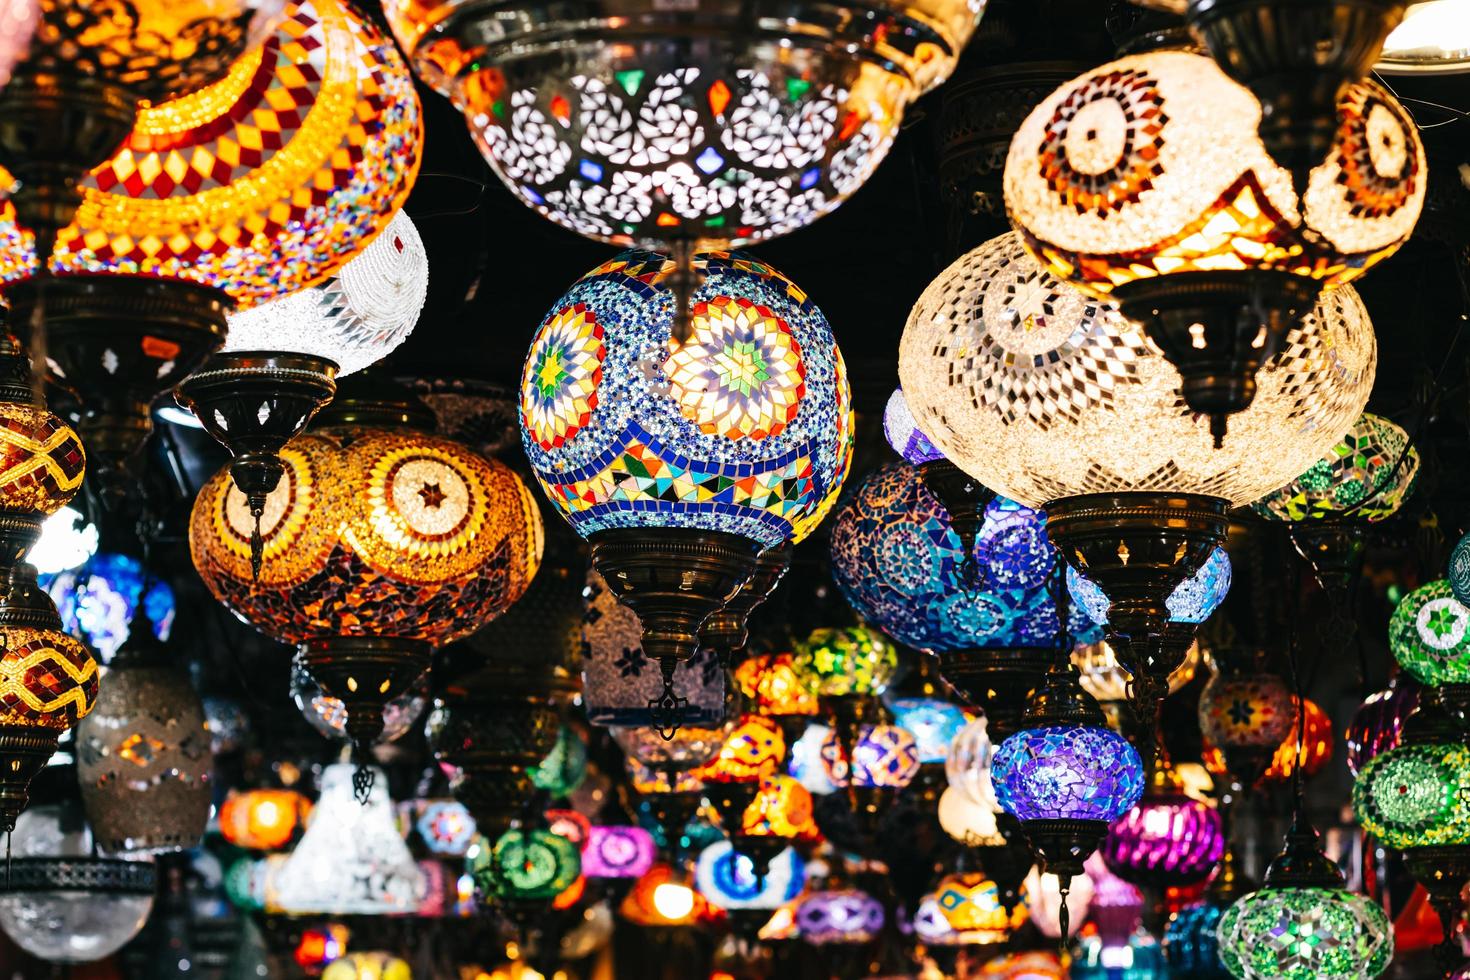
{"type": "Point", "coordinates": [188, 218]}
{"type": "Point", "coordinates": [48, 682]}
{"type": "Point", "coordinates": [1145, 182]}
{"type": "Point", "coordinates": [1057, 401]}
{"type": "Point", "coordinates": [716, 123]}
{"type": "Point", "coordinates": [75, 73]}
{"type": "Point", "coordinates": [1248, 715]}
{"type": "Point", "coordinates": [681, 463]}
{"type": "Point", "coordinates": [381, 541]}
{"type": "Point", "coordinates": [1365, 477]}
{"type": "Point", "coordinates": [284, 355]}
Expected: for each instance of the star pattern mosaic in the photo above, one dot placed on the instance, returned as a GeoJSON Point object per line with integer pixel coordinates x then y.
{"type": "Point", "coordinates": [1429, 634]}
{"type": "Point", "coordinates": [743, 429]}
{"type": "Point", "coordinates": [1305, 934]}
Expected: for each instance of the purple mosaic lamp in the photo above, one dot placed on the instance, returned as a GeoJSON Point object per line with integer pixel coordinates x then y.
{"type": "Point", "coordinates": [618, 852]}
{"type": "Point", "coordinates": [1378, 724]}
{"type": "Point", "coordinates": [1066, 776]}
{"type": "Point", "coordinates": [1168, 840]}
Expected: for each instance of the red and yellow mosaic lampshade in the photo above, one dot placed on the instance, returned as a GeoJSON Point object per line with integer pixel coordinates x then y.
{"type": "Point", "coordinates": [262, 183]}
{"type": "Point", "coordinates": [774, 687]}
{"type": "Point", "coordinates": [47, 680]}
{"type": "Point", "coordinates": [1316, 749]}
{"type": "Point", "coordinates": [751, 752]}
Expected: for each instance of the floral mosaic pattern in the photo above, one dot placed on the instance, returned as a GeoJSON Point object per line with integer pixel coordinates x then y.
{"type": "Point", "coordinates": [1256, 711]}
{"type": "Point", "coordinates": [901, 564]}
{"type": "Point", "coordinates": [1429, 634]}
{"type": "Point", "coordinates": [743, 429]}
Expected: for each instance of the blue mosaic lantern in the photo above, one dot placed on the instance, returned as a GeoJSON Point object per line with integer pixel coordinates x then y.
{"type": "Point", "coordinates": [1191, 946]}
{"type": "Point", "coordinates": [899, 561]}
{"type": "Point", "coordinates": [933, 723]}
{"type": "Point", "coordinates": [727, 878]}
{"type": "Point", "coordinates": [1066, 776]}
{"type": "Point", "coordinates": [682, 460]}
{"type": "Point", "coordinates": [98, 600]}
{"type": "Point", "coordinates": [1193, 601]}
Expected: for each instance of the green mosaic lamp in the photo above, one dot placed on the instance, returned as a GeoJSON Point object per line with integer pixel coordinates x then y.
{"type": "Point", "coordinates": [1363, 478]}
{"type": "Point", "coordinates": [1429, 635]}
{"type": "Point", "coordinates": [1415, 798]}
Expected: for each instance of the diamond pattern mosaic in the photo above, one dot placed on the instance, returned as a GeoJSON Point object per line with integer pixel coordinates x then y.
{"type": "Point", "coordinates": [47, 679]}
{"type": "Point", "coordinates": [1365, 476]}
{"type": "Point", "coordinates": [1305, 934]}
{"type": "Point", "coordinates": [741, 430]}
{"type": "Point", "coordinates": [1040, 392]}
{"type": "Point", "coordinates": [1067, 773]}
{"type": "Point", "coordinates": [901, 564]}
{"type": "Point", "coordinates": [261, 184]}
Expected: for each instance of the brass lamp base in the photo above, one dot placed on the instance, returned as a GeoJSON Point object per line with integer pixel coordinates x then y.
{"type": "Point", "coordinates": [253, 403]}
{"type": "Point", "coordinates": [23, 753]}
{"type": "Point", "coordinates": [1218, 328]}
{"type": "Point", "coordinates": [725, 632]}
{"type": "Point", "coordinates": [116, 343]}
{"type": "Point", "coordinates": [998, 681]}
{"type": "Point", "coordinates": [365, 673]}
{"type": "Point", "coordinates": [1296, 57]}
{"type": "Point", "coordinates": [674, 579]}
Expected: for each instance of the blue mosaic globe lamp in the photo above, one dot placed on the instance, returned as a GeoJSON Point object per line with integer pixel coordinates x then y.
{"type": "Point", "coordinates": [986, 611]}
{"type": "Point", "coordinates": [681, 462]}
{"type": "Point", "coordinates": [1066, 777]}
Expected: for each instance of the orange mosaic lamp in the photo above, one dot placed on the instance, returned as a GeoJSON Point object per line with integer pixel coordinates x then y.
{"type": "Point", "coordinates": [382, 542]}
{"type": "Point", "coordinates": [48, 682]}
{"type": "Point", "coordinates": [254, 187]}
{"type": "Point", "coordinates": [775, 688]}
{"type": "Point", "coordinates": [262, 819]}
{"type": "Point", "coordinates": [81, 70]}
{"type": "Point", "coordinates": [781, 814]}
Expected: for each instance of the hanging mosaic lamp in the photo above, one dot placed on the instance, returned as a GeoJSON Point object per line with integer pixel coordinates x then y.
{"type": "Point", "coordinates": [1378, 724]}
{"type": "Point", "coordinates": [664, 772]}
{"type": "Point", "coordinates": [618, 852]}
{"type": "Point", "coordinates": [192, 216]}
{"type": "Point", "coordinates": [987, 613]}
{"type": "Point", "coordinates": [1301, 62]}
{"type": "Point", "coordinates": [48, 682]}
{"type": "Point", "coordinates": [620, 680]}
{"type": "Point", "coordinates": [1415, 798]}
{"type": "Point", "coordinates": [971, 904]}
{"type": "Point", "coordinates": [1056, 401]}
{"type": "Point", "coordinates": [1432, 39]}
{"type": "Point", "coordinates": [846, 916]}
{"type": "Point", "coordinates": [1168, 840]}
{"type": "Point", "coordinates": [1429, 636]}
{"type": "Point", "coordinates": [1105, 679]}
{"type": "Point", "coordinates": [732, 779]}
{"type": "Point", "coordinates": [445, 826]}
{"type": "Point", "coordinates": [663, 897]}
{"type": "Point", "coordinates": [564, 767]}
{"type": "Point", "coordinates": [99, 599]}
{"type": "Point", "coordinates": [1044, 893]}
{"type": "Point", "coordinates": [807, 763]}
{"type": "Point", "coordinates": [1144, 181]}
{"type": "Point", "coordinates": [1247, 715]}
{"type": "Point", "coordinates": [41, 459]}
{"type": "Point", "coordinates": [280, 361]}
{"type": "Point", "coordinates": [352, 860]}
{"type": "Point", "coordinates": [1315, 752]}
{"type": "Point", "coordinates": [1066, 776]}
{"type": "Point", "coordinates": [773, 687]}
{"type": "Point", "coordinates": [63, 903]}
{"type": "Point", "coordinates": [1364, 478]}
{"type": "Point", "coordinates": [780, 814]}
{"type": "Point", "coordinates": [961, 496]}
{"type": "Point", "coordinates": [262, 819]}
{"type": "Point", "coordinates": [386, 542]}
{"type": "Point", "coordinates": [728, 879]}
{"type": "Point", "coordinates": [1152, 666]}
{"type": "Point", "coordinates": [75, 74]}
{"type": "Point", "coordinates": [1302, 924]}
{"type": "Point", "coordinates": [143, 754]}
{"type": "Point", "coordinates": [681, 462]}
{"type": "Point", "coordinates": [754, 124]}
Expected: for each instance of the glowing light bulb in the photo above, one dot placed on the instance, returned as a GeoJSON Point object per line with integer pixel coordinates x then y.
{"type": "Point", "coordinates": [673, 901]}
